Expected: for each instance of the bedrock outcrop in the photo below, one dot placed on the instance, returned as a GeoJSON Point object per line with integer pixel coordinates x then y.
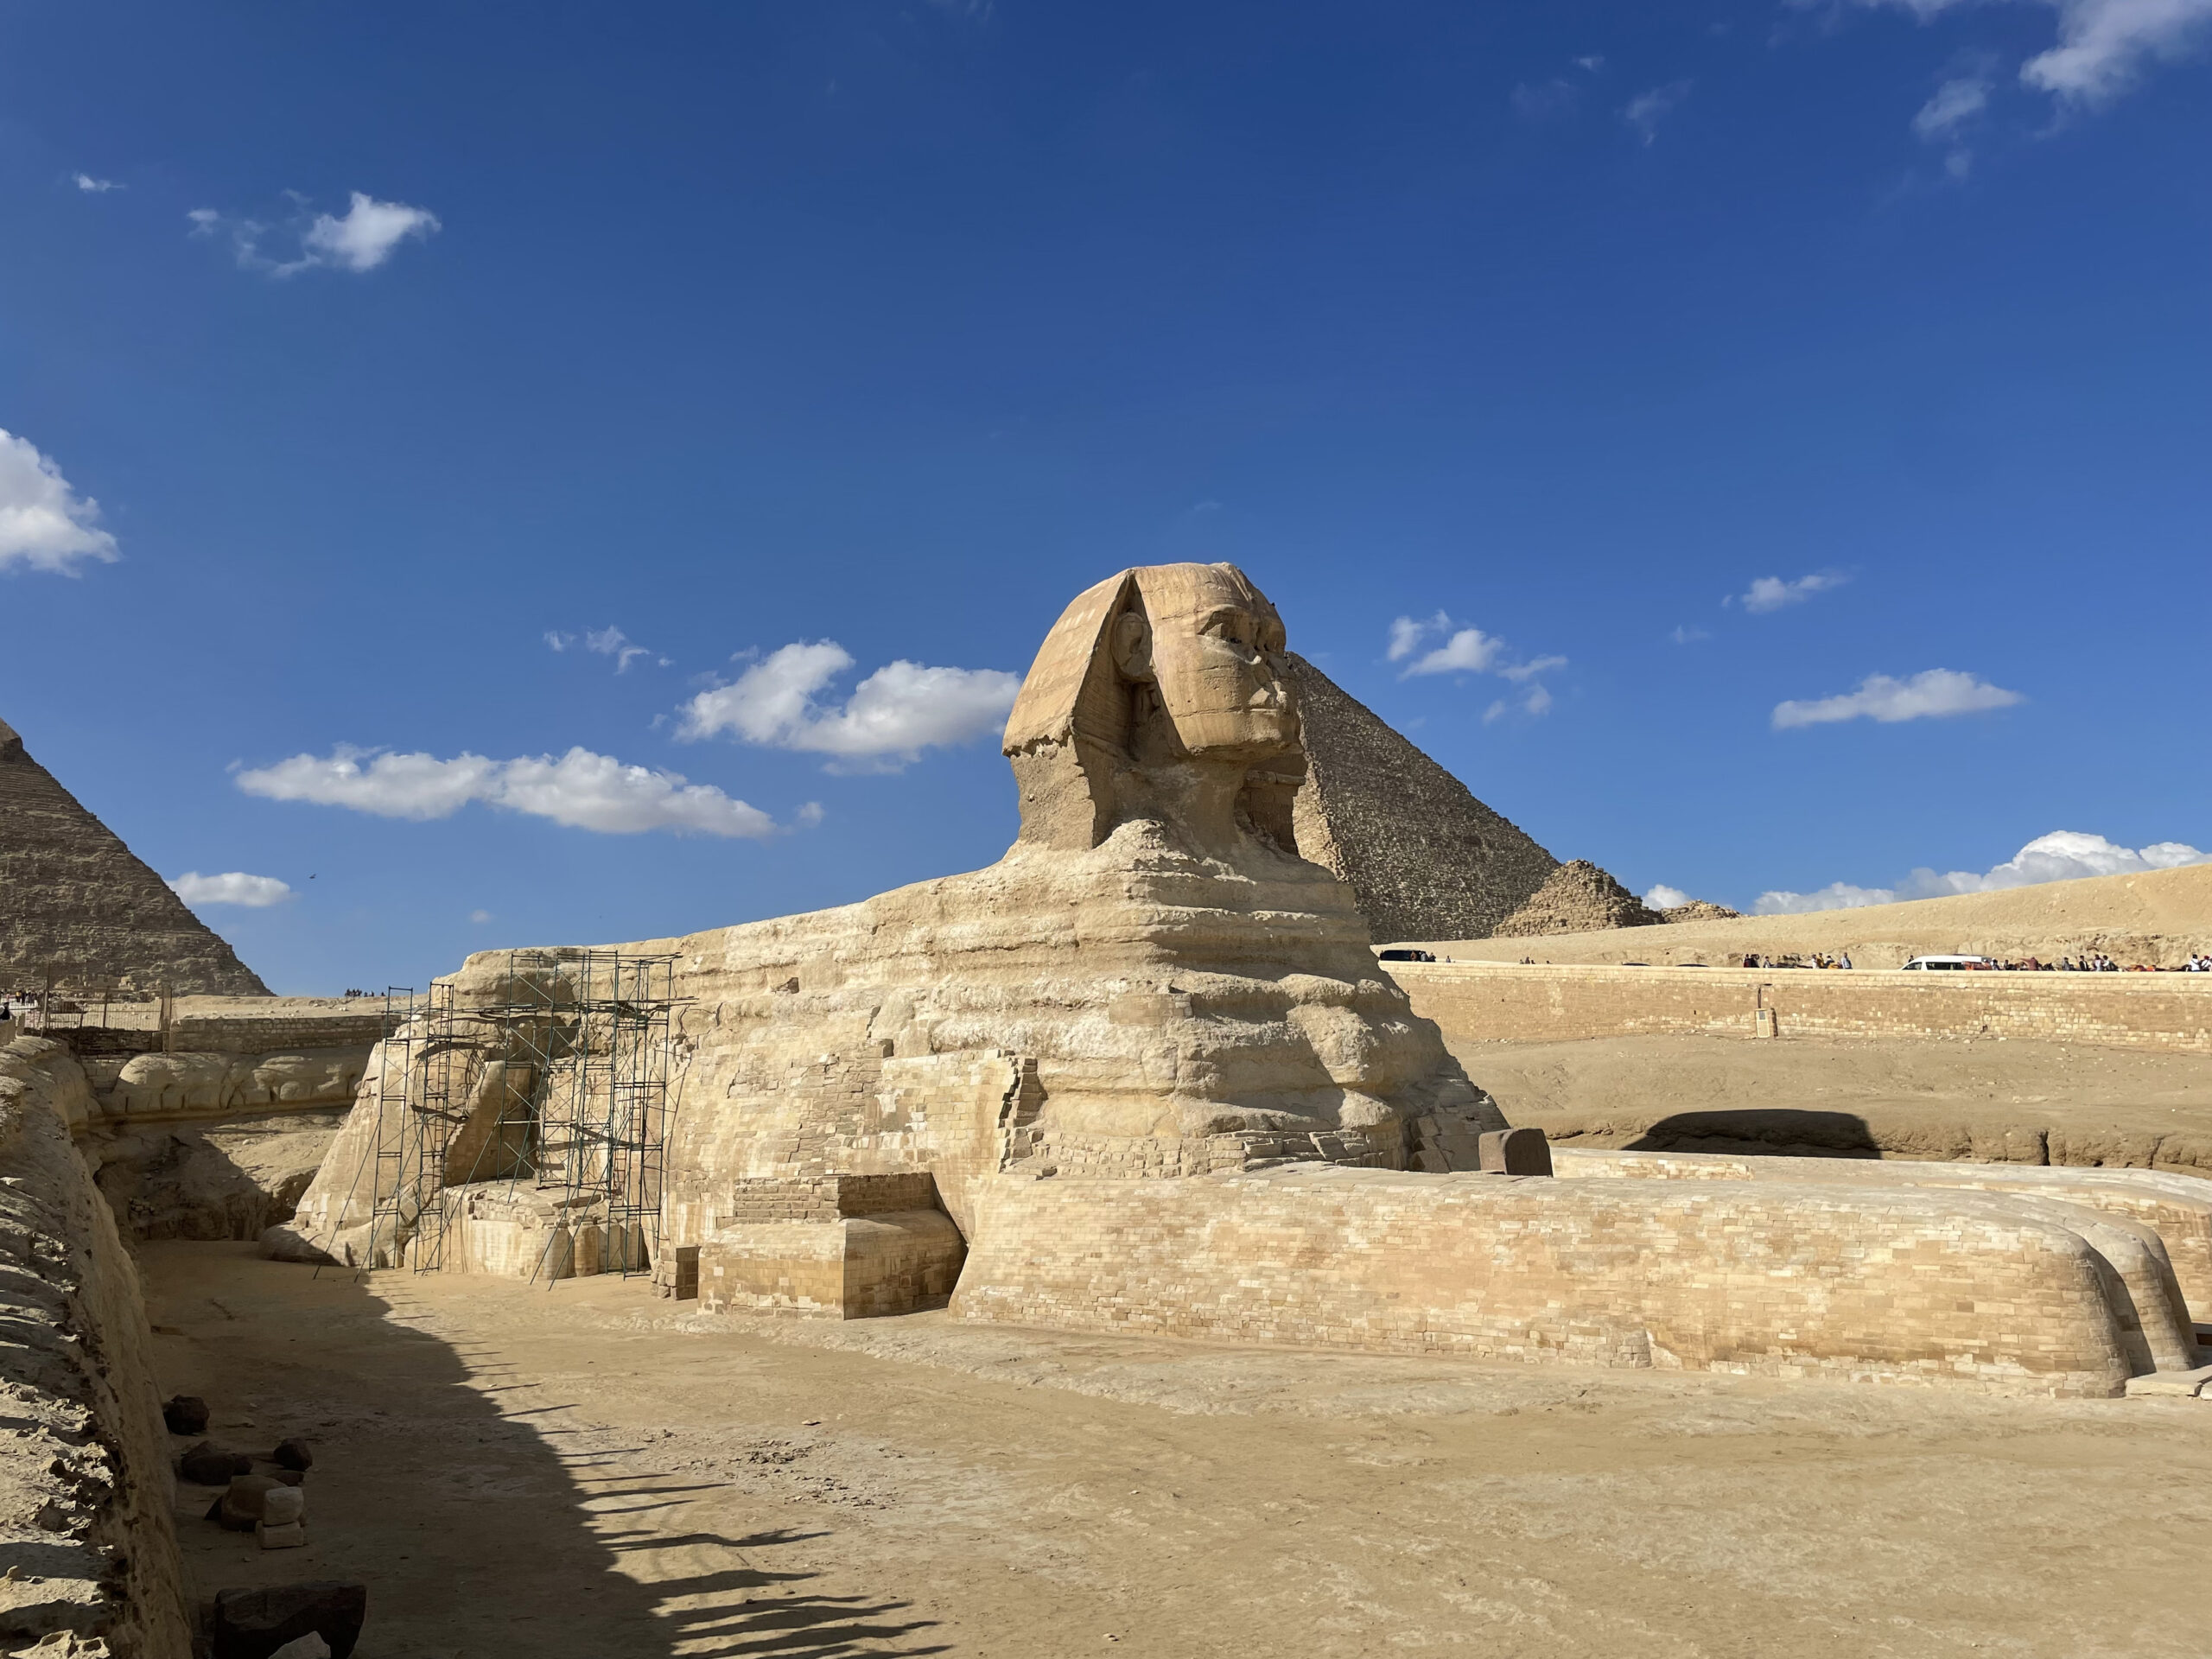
{"type": "Point", "coordinates": [84, 1482]}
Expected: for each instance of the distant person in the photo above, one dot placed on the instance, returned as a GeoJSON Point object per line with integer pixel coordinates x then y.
{"type": "Point", "coordinates": [1845, 961]}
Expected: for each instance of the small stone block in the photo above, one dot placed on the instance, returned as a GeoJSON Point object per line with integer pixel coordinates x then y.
{"type": "Point", "coordinates": [258, 1624]}
{"type": "Point", "coordinates": [210, 1465]}
{"type": "Point", "coordinates": [281, 1506]}
{"type": "Point", "coordinates": [293, 1454]}
{"type": "Point", "coordinates": [2183, 1385]}
{"type": "Point", "coordinates": [186, 1414]}
{"type": "Point", "coordinates": [1515, 1152]}
{"type": "Point", "coordinates": [291, 1535]}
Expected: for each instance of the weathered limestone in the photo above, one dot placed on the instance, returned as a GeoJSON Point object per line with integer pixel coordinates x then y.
{"type": "Point", "coordinates": [1774, 1278]}
{"type": "Point", "coordinates": [2178, 1208]}
{"type": "Point", "coordinates": [1492, 1001]}
{"type": "Point", "coordinates": [842, 1247]}
{"type": "Point", "coordinates": [1575, 898]}
{"type": "Point", "coordinates": [1158, 1081]}
{"type": "Point", "coordinates": [84, 1482]}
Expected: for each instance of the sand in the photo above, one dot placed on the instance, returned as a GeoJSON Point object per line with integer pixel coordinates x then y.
{"type": "Point", "coordinates": [2157, 918]}
{"type": "Point", "coordinates": [588, 1472]}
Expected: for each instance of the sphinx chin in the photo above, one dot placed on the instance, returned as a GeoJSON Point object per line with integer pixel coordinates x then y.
{"type": "Point", "coordinates": [1145, 1073]}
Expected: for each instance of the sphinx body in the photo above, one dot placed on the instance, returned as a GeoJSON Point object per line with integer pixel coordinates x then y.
{"type": "Point", "coordinates": [1156, 1080]}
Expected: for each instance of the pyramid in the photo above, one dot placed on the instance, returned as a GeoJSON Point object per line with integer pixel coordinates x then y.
{"type": "Point", "coordinates": [1425, 859]}
{"type": "Point", "coordinates": [75, 901]}
{"type": "Point", "coordinates": [1700, 910]}
{"type": "Point", "coordinates": [1578, 898]}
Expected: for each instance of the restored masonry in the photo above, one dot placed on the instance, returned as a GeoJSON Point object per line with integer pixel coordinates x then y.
{"type": "Point", "coordinates": [1510, 1002]}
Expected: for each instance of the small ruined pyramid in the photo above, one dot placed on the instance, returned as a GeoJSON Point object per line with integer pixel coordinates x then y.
{"type": "Point", "coordinates": [1424, 858]}
{"type": "Point", "coordinates": [1578, 898]}
{"type": "Point", "coordinates": [77, 903]}
{"type": "Point", "coordinates": [1700, 910]}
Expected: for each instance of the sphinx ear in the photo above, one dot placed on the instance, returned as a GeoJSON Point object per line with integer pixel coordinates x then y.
{"type": "Point", "coordinates": [1133, 645]}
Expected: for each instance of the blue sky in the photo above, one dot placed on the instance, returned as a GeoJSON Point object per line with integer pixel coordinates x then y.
{"type": "Point", "coordinates": [1822, 386]}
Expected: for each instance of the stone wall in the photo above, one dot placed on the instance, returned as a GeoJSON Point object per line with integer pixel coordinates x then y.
{"type": "Point", "coordinates": [1510, 1002]}
{"type": "Point", "coordinates": [84, 1482]}
{"type": "Point", "coordinates": [1775, 1279]}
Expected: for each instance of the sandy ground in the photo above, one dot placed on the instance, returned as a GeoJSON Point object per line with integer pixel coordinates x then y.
{"type": "Point", "coordinates": [2157, 918]}
{"type": "Point", "coordinates": [1925, 1098]}
{"type": "Point", "coordinates": [589, 1471]}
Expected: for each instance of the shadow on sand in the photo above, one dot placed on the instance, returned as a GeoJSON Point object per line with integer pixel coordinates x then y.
{"type": "Point", "coordinates": [1778, 1131]}
{"type": "Point", "coordinates": [480, 1527]}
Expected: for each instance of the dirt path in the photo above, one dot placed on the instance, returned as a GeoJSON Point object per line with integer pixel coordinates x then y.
{"type": "Point", "coordinates": [587, 1472]}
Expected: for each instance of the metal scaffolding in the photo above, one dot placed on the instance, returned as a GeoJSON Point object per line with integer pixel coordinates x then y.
{"type": "Point", "coordinates": [560, 1084]}
{"type": "Point", "coordinates": [423, 1069]}
{"type": "Point", "coordinates": [596, 1028]}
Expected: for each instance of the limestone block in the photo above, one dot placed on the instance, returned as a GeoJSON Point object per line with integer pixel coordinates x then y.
{"type": "Point", "coordinates": [1515, 1152]}
{"type": "Point", "coordinates": [1761, 1277]}
{"type": "Point", "coordinates": [2179, 1207]}
{"type": "Point", "coordinates": [858, 1264]}
{"type": "Point", "coordinates": [2181, 1385]}
{"type": "Point", "coordinates": [282, 1506]}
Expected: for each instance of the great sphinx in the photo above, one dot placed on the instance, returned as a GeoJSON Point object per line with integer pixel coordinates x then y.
{"type": "Point", "coordinates": [1146, 1073]}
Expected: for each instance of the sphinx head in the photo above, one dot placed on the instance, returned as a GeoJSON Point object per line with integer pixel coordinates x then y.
{"type": "Point", "coordinates": [1162, 692]}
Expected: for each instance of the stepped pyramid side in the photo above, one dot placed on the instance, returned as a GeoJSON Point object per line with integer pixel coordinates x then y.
{"type": "Point", "coordinates": [1424, 858]}
{"type": "Point", "coordinates": [1578, 898]}
{"type": "Point", "coordinates": [75, 900]}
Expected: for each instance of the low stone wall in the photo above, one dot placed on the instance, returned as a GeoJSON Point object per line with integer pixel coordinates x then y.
{"type": "Point", "coordinates": [2178, 1208]}
{"type": "Point", "coordinates": [1513, 1002]}
{"type": "Point", "coordinates": [86, 1489]}
{"type": "Point", "coordinates": [1774, 1278]}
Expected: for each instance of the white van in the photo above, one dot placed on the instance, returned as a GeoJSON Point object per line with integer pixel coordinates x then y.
{"type": "Point", "coordinates": [1952, 962]}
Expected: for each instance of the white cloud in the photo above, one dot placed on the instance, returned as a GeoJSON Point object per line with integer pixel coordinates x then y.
{"type": "Point", "coordinates": [1519, 671]}
{"type": "Point", "coordinates": [45, 525]}
{"type": "Point", "coordinates": [1663, 896]}
{"type": "Point", "coordinates": [2062, 856]}
{"type": "Point", "coordinates": [2103, 45]}
{"type": "Point", "coordinates": [479, 917]}
{"type": "Point", "coordinates": [363, 238]}
{"type": "Point", "coordinates": [892, 715]}
{"type": "Point", "coordinates": [1469, 650]}
{"type": "Point", "coordinates": [1688, 636]}
{"type": "Point", "coordinates": [1773, 594]}
{"type": "Point", "coordinates": [97, 186]}
{"type": "Point", "coordinates": [366, 236]}
{"type": "Point", "coordinates": [558, 641]}
{"type": "Point", "coordinates": [1405, 634]}
{"type": "Point", "coordinates": [1646, 110]}
{"type": "Point", "coordinates": [1593, 63]}
{"type": "Point", "coordinates": [580, 789]}
{"type": "Point", "coordinates": [1932, 694]}
{"type": "Point", "coordinates": [1545, 100]}
{"type": "Point", "coordinates": [235, 887]}
{"type": "Point", "coordinates": [611, 641]}
{"type": "Point", "coordinates": [1954, 102]}
{"type": "Point", "coordinates": [1837, 895]}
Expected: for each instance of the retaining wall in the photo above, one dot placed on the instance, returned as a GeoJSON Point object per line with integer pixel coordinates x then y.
{"type": "Point", "coordinates": [1512, 1003]}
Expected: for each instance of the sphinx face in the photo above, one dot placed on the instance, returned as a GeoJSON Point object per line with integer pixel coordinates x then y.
{"type": "Point", "coordinates": [1216, 657]}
